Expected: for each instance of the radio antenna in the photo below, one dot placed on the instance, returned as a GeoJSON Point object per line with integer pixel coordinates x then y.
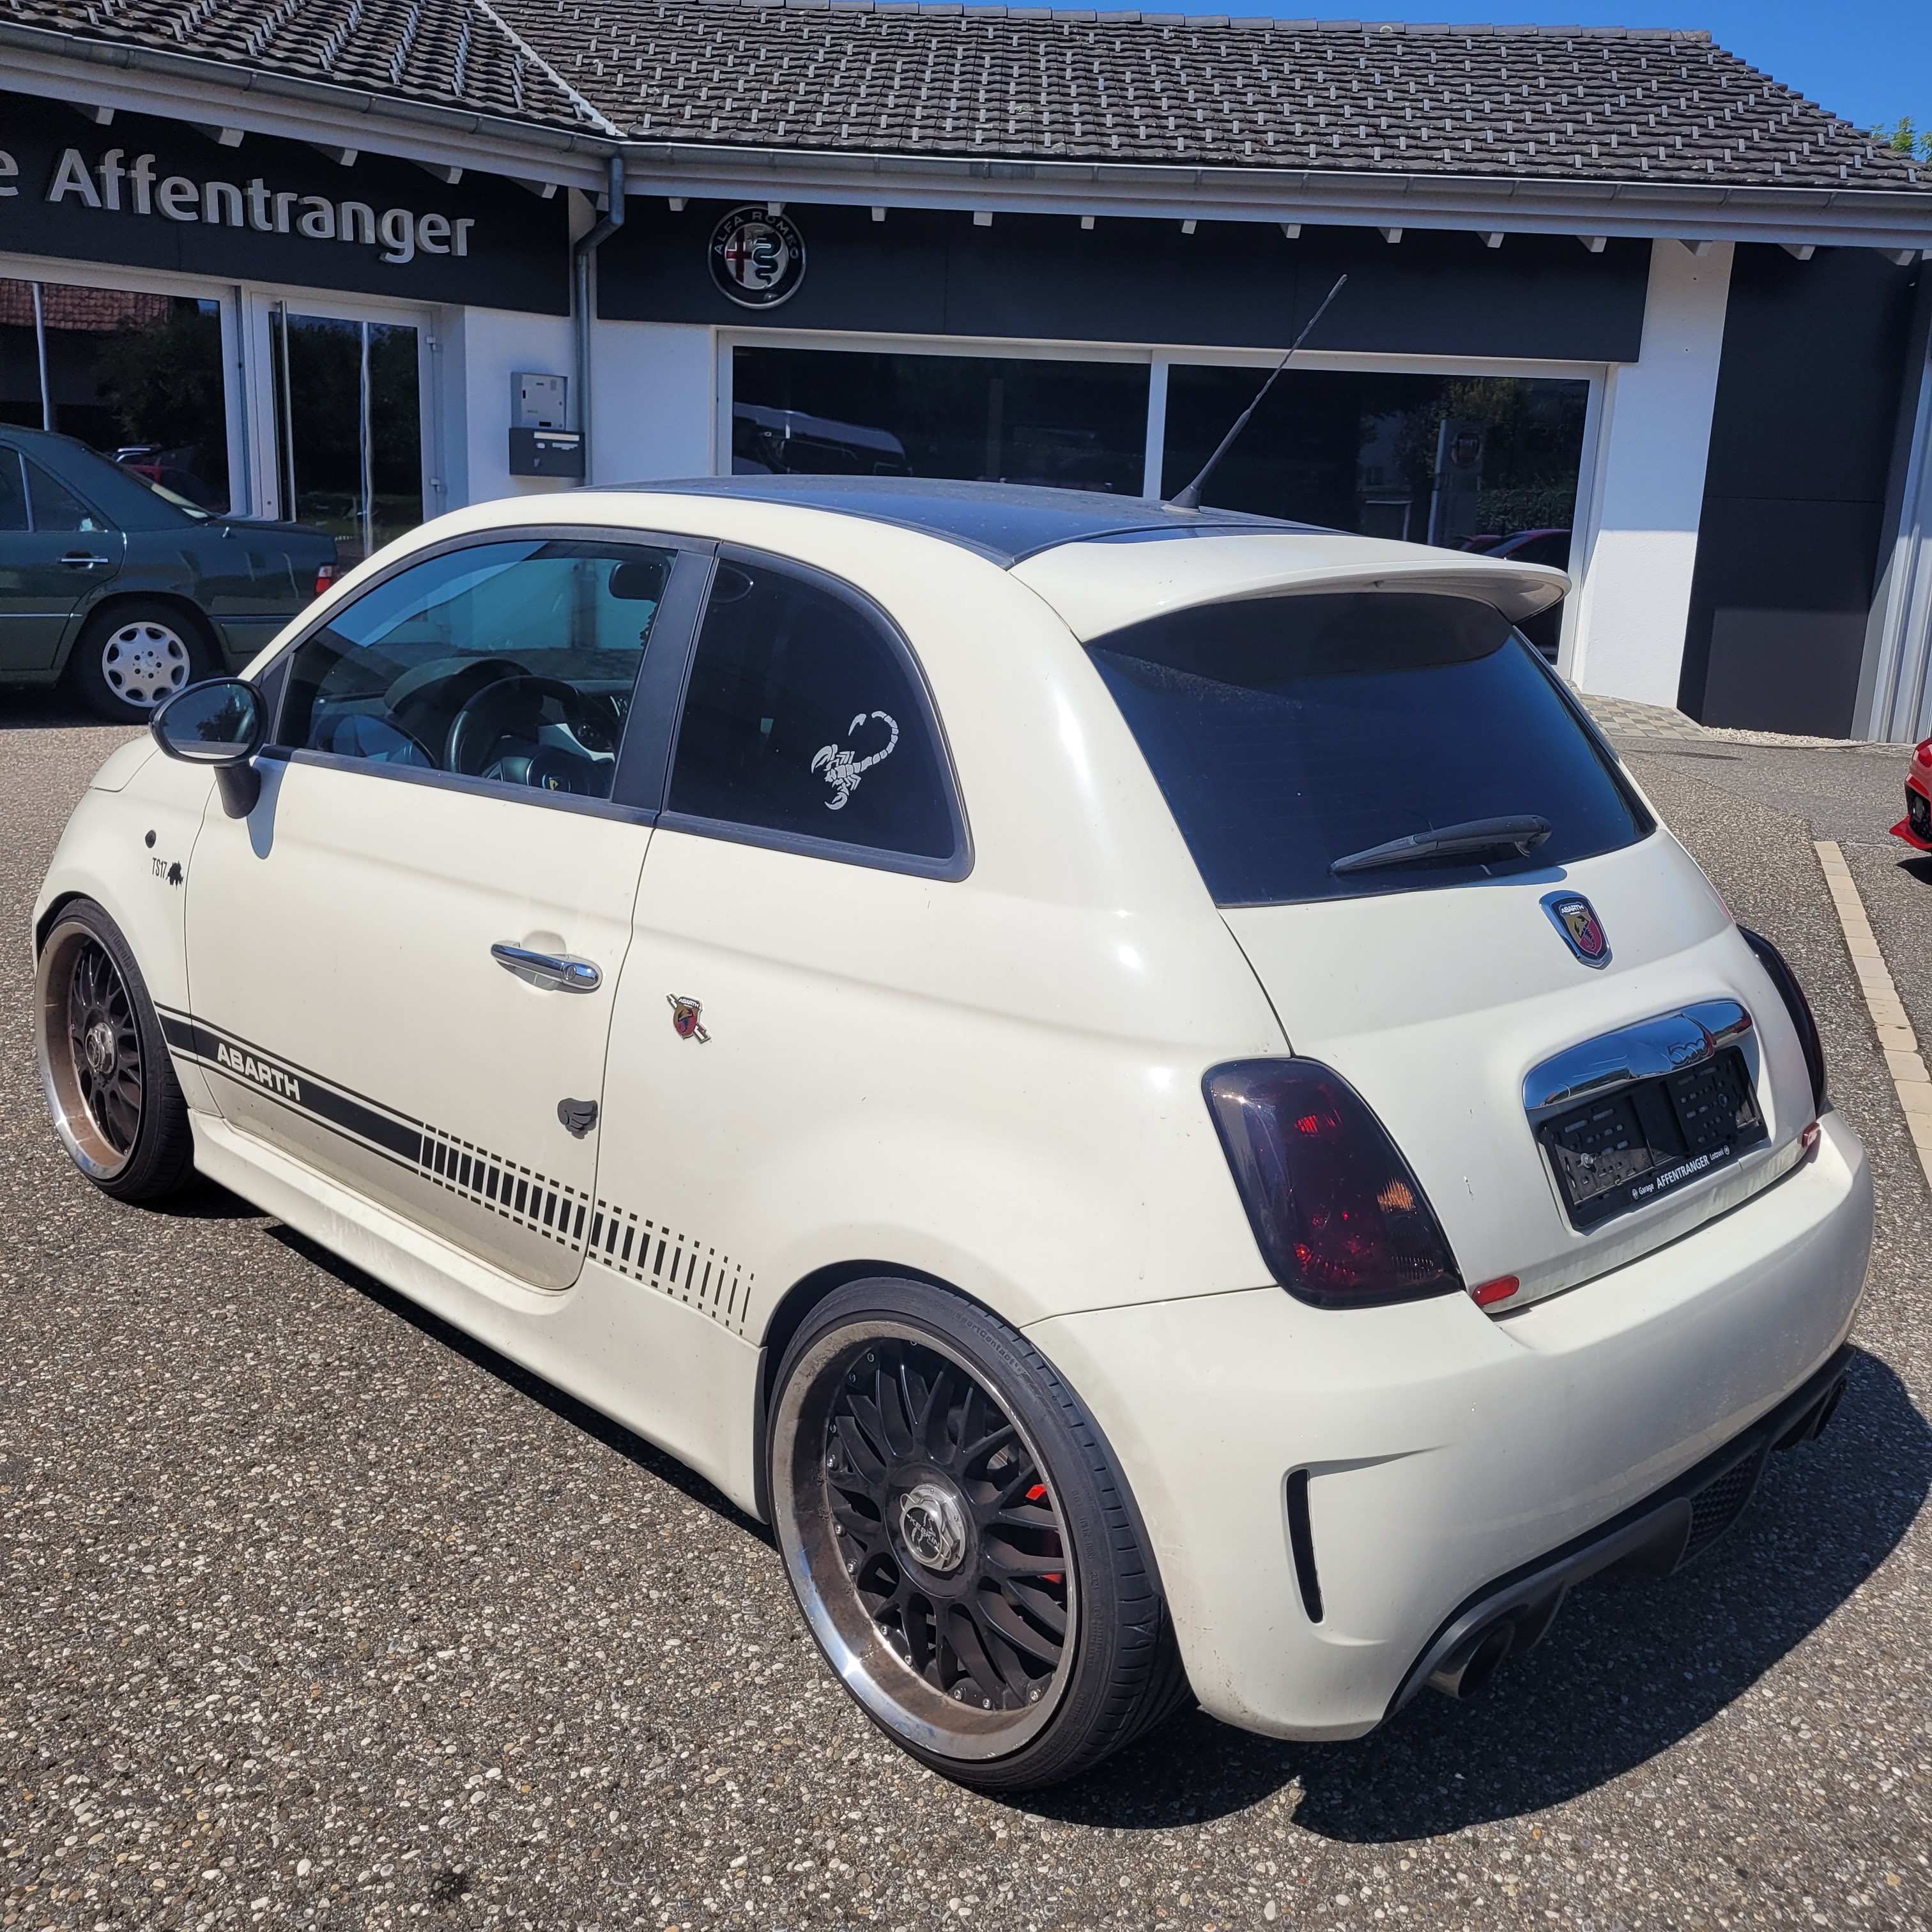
{"type": "Point", "coordinates": [1189, 499]}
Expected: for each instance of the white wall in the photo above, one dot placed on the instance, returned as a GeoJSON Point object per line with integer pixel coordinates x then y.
{"type": "Point", "coordinates": [482, 348]}
{"type": "Point", "coordinates": [652, 401]}
{"type": "Point", "coordinates": [1642, 545]}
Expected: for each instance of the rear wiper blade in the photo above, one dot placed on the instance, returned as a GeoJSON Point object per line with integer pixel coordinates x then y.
{"type": "Point", "coordinates": [1521, 836]}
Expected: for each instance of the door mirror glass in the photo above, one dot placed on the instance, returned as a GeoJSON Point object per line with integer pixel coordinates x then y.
{"type": "Point", "coordinates": [218, 723]}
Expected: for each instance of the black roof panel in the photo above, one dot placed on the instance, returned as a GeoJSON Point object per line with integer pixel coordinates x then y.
{"type": "Point", "coordinates": [1004, 522]}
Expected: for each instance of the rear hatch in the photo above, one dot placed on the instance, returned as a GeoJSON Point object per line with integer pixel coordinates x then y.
{"type": "Point", "coordinates": [1456, 898]}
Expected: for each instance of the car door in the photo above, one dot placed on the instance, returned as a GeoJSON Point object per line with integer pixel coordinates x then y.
{"type": "Point", "coordinates": [401, 963]}
{"type": "Point", "coordinates": [785, 930]}
{"type": "Point", "coordinates": [55, 552]}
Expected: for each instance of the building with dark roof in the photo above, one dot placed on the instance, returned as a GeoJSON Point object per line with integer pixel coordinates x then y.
{"type": "Point", "coordinates": [1615, 299]}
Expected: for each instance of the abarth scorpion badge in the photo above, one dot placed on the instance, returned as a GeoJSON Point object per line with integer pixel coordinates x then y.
{"type": "Point", "coordinates": [1576, 919]}
{"type": "Point", "coordinates": [684, 1018]}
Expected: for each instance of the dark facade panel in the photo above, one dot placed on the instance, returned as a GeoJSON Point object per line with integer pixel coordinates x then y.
{"type": "Point", "coordinates": [1802, 437]}
{"type": "Point", "coordinates": [142, 192]}
{"type": "Point", "coordinates": [1241, 284]}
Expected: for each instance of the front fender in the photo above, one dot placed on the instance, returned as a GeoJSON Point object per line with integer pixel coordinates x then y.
{"type": "Point", "coordinates": [130, 850]}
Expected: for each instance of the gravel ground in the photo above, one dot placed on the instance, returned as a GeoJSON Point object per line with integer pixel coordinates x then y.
{"type": "Point", "coordinates": [315, 1613]}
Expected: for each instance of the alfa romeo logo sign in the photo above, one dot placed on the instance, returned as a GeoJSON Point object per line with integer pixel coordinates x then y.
{"type": "Point", "coordinates": [757, 260]}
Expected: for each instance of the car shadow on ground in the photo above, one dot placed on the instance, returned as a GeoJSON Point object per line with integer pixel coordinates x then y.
{"type": "Point", "coordinates": [1627, 1670]}
{"type": "Point", "coordinates": [39, 710]}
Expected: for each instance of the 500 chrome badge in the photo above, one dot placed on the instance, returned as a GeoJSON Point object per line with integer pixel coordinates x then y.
{"type": "Point", "coordinates": [757, 258]}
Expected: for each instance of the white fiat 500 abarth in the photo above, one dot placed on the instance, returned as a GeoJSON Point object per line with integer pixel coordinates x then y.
{"type": "Point", "coordinates": [1141, 1084]}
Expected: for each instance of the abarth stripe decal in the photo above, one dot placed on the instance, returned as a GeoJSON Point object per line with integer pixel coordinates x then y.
{"type": "Point", "coordinates": [648, 1252]}
{"type": "Point", "coordinates": [397, 1135]}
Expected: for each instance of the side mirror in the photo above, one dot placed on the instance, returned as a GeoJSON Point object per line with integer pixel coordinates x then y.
{"type": "Point", "coordinates": [220, 723]}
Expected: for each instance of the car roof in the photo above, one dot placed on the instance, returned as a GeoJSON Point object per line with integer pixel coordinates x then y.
{"type": "Point", "coordinates": [1006, 523]}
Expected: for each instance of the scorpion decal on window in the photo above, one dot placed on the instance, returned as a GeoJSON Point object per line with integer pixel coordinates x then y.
{"type": "Point", "coordinates": [842, 771]}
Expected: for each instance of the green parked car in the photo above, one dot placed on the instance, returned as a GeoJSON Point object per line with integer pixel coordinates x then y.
{"type": "Point", "coordinates": [128, 591]}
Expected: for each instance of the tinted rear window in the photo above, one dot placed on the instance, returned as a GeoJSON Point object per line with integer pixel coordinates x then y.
{"type": "Point", "coordinates": [1288, 733]}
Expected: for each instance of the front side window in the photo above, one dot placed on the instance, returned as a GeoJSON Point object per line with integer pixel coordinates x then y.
{"type": "Point", "coordinates": [803, 717]}
{"type": "Point", "coordinates": [511, 662]}
{"type": "Point", "coordinates": [1327, 746]}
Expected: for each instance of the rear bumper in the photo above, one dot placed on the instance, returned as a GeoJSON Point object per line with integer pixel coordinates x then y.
{"type": "Point", "coordinates": [1455, 1461]}
{"type": "Point", "coordinates": [1656, 1538]}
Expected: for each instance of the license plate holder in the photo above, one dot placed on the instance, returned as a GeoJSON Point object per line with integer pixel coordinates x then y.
{"type": "Point", "coordinates": [1628, 1148]}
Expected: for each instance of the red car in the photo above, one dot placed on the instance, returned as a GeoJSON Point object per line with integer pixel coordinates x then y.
{"type": "Point", "coordinates": [1915, 827]}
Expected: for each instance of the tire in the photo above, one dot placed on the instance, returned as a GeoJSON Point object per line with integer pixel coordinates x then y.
{"type": "Point", "coordinates": [134, 654]}
{"type": "Point", "coordinates": [104, 1066]}
{"type": "Point", "coordinates": [960, 1540]}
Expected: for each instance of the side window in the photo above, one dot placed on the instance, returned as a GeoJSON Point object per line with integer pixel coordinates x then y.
{"type": "Point", "coordinates": [12, 491]}
{"type": "Point", "coordinates": [56, 507]}
{"type": "Point", "coordinates": [802, 716]}
{"type": "Point", "coordinates": [513, 661]}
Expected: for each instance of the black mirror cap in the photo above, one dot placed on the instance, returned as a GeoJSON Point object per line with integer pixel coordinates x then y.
{"type": "Point", "coordinates": [1778, 970]}
{"type": "Point", "coordinates": [221, 721]}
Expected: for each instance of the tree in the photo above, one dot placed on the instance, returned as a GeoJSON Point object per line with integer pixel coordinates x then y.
{"type": "Point", "coordinates": [1904, 137]}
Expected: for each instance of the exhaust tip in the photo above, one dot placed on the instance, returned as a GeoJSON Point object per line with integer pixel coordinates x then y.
{"type": "Point", "coordinates": [1468, 1672]}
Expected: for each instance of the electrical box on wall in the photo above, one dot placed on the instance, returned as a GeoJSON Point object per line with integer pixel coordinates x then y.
{"type": "Point", "coordinates": [539, 402]}
{"type": "Point", "coordinates": [540, 445]}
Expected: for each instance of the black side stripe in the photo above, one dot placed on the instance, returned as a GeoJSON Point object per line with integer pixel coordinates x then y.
{"type": "Point", "coordinates": [395, 1135]}
{"type": "Point", "coordinates": [678, 1266]}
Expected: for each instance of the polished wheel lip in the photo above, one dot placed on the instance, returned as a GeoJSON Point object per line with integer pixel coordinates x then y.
{"type": "Point", "coordinates": [144, 662]}
{"type": "Point", "coordinates": [870, 1668]}
{"type": "Point", "coordinates": [61, 1053]}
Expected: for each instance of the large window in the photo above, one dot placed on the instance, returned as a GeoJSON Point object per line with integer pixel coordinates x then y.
{"type": "Point", "coordinates": [136, 376]}
{"type": "Point", "coordinates": [348, 428]}
{"type": "Point", "coordinates": [1327, 746]}
{"type": "Point", "coordinates": [827, 412]}
{"type": "Point", "coordinates": [512, 662]}
{"type": "Point", "coordinates": [1471, 463]}
{"type": "Point", "coordinates": [1466, 462]}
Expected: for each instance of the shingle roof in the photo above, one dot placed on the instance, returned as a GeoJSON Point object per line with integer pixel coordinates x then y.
{"type": "Point", "coordinates": [894, 77]}
{"type": "Point", "coordinates": [450, 52]}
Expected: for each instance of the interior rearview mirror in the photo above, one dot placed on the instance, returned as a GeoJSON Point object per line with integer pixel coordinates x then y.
{"type": "Point", "coordinates": [220, 723]}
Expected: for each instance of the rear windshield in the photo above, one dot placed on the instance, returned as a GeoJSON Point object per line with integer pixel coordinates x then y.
{"type": "Point", "coordinates": [1293, 736]}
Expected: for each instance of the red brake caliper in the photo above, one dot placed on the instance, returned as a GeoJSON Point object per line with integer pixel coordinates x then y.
{"type": "Point", "coordinates": [1038, 1494]}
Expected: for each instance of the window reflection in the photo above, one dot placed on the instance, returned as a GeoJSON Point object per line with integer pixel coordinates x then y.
{"type": "Point", "coordinates": [1077, 425]}
{"type": "Point", "coordinates": [1474, 462]}
{"type": "Point", "coordinates": [136, 376]}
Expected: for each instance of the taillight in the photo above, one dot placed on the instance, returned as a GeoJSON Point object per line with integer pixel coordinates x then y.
{"type": "Point", "coordinates": [1338, 1217]}
{"type": "Point", "coordinates": [324, 577]}
{"type": "Point", "coordinates": [1796, 1005]}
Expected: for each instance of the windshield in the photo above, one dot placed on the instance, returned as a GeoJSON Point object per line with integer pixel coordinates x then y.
{"type": "Point", "coordinates": [1293, 735]}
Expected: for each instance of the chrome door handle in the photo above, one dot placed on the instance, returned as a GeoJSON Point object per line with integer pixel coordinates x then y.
{"type": "Point", "coordinates": [81, 560]}
{"type": "Point", "coordinates": [556, 973]}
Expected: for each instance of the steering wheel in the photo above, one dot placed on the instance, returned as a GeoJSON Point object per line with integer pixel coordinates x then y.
{"type": "Point", "coordinates": [513, 707]}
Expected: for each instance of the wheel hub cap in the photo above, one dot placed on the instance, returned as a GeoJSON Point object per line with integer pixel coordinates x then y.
{"type": "Point", "coordinates": [933, 1527]}
{"type": "Point", "coordinates": [100, 1048]}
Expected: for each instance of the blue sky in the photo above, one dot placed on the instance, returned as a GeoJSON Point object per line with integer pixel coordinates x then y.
{"type": "Point", "coordinates": [1868, 60]}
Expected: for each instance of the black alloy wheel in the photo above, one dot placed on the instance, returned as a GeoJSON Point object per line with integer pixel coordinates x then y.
{"type": "Point", "coordinates": [946, 1527]}
{"type": "Point", "coordinates": [104, 1070]}
{"type": "Point", "coordinates": [961, 1542]}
